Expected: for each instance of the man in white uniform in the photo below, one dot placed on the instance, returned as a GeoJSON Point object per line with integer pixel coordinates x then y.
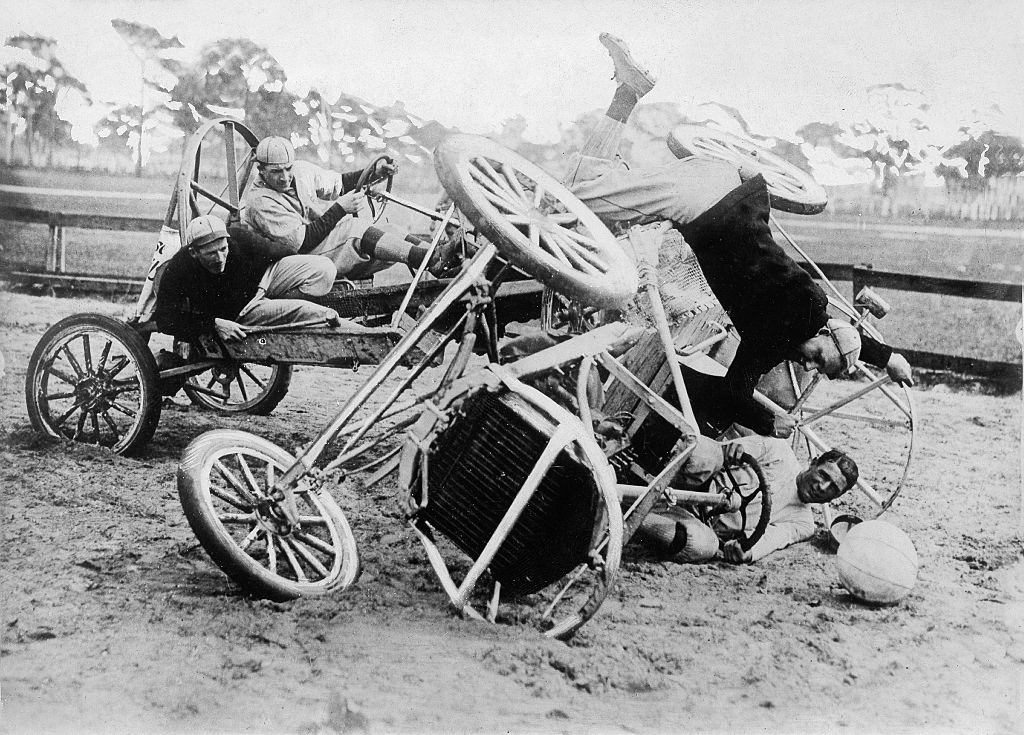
{"type": "Point", "coordinates": [678, 534]}
{"type": "Point", "coordinates": [288, 202]}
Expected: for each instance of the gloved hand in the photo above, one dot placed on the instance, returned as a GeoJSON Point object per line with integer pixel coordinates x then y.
{"type": "Point", "coordinates": [734, 553]}
{"type": "Point", "coordinates": [783, 426]}
{"type": "Point", "coordinates": [385, 169]}
{"type": "Point", "coordinates": [899, 370]}
{"type": "Point", "coordinates": [354, 202]}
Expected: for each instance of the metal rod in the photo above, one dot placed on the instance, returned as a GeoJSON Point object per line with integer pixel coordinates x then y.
{"type": "Point", "coordinates": [416, 207]}
{"type": "Point", "coordinates": [649, 398]}
{"type": "Point", "coordinates": [469, 275]}
{"type": "Point", "coordinates": [396, 318]}
{"type": "Point", "coordinates": [847, 400]}
{"type": "Point", "coordinates": [630, 493]}
{"type": "Point", "coordinates": [668, 344]}
{"type": "Point", "coordinates": [213, 197]}
{"type": "Point", "coordinates": [805, 394]}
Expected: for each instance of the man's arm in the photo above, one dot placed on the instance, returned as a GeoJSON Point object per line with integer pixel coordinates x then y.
{"type": "Point", "coordinates": [874, 352]}
{"type": "Point", "coordinates": [881, 355]}
{"type": "Point", "coordinates": [776, 536]}
{"type": "Point", "coordinates": [258, 246]}
{"type": "Point", "coordinates": [273, 218]}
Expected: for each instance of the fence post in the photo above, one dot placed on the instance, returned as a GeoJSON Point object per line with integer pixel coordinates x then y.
{"type": "Point", "coordinates": [858, 278]}
{"type": "Point", "coordinates": [61, 259]}
{"type": "Point", "coordinates": [51, 250]}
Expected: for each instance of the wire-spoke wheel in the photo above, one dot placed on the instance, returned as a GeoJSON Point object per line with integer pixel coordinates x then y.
{"type": "Point", "coordinates": [224, 483]}
{"type": "Point", "coordinates": [867, 416]}
{"type": "Point", "coordinates": [535, 221]}
{"type": "Point", "coordinates": [92, 379]}
{"type": "Point", "coordinates": [792, 189]}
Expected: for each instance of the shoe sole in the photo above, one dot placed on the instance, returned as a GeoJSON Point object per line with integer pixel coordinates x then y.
{"type": "Point", "coordinates": [636, 76]}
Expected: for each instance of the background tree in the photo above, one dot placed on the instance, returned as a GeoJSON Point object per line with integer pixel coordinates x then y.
{"type": "Point", "coordinates": [158, 73]}
{"type": "Point", "coordinates": [238, 77]}
{"type": "Point", "coordinates": [891, 133]}
{"type": "Point", "coordinates": [34, 91]}
{"type": "Point", "coordinates": [977, 159]}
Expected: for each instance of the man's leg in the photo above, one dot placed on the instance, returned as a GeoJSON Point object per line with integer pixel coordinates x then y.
{"type": "Point", "coordinates": [359, 248]}
{"type": "Point", "coordinates": [298, 276]}
{"type": "Point", "coordinates": [275, 312]}
{"type": "Point", "coordinates": [678, 191]}
{"type": "Point", "coordinates": [281, 296]}
{"type": "Point", "coordinates": [633, 81]}
{"type": "Point", "coordinates": [680, 537]}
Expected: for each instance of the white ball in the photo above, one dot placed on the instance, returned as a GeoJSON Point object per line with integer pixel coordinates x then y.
{"type": "Point", "coordinates": [877, 562]}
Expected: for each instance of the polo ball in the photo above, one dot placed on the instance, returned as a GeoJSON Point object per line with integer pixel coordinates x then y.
{"type": "Point", "coordinates": [877, 562]}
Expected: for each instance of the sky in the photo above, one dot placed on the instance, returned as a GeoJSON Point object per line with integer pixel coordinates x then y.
{"type": "Point", "coordinates": [474, 63]}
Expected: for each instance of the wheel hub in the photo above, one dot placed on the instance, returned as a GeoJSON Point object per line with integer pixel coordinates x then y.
{"type": "Point", "coordinates": [95, 393]}
{"type": "Point", "coordinates": [272, 518]}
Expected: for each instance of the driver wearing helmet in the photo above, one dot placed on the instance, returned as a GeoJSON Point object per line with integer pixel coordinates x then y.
{"type": "Point", "coordinates": [288, 202]}
{"type": "Point", "coordinates": [680, 536]}
{"type": "Point", "coordinates": [777, 309]}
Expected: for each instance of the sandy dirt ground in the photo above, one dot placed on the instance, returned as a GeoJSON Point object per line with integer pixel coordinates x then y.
{"type": "Point", "coordinates": [115, 620]}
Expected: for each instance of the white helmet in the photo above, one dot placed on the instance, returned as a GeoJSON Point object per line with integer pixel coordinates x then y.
{"type": "Point", "coordinates": [275, 151]}
{"type": "Point", "coordinates": [204, 229]}
{"type": "Point", "coordinates": [847, 341]}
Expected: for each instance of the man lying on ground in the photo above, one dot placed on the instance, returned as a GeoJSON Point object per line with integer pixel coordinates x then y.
{"type": "Point", "coordinates": [777, 308]}
{"type": "Point", "coordinates": [218, 285]}
{"type": "Point", "coordinates": [679, 535]}
{"type": "Point", "coordinates": [288, 202]}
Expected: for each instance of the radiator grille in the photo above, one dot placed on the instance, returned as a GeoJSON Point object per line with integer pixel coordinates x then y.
{"type": "Point", "coordinates": [478, 466]}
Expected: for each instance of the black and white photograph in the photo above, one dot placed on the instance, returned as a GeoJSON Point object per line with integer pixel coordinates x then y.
{"type": "Point", "coordinates": [511, 366]}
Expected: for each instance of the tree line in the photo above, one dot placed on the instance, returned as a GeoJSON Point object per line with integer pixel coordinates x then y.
{"type": "Point", "coordinates": [891, 136]}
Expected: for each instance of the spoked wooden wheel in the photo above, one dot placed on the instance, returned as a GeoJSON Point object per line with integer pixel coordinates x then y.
{"type": "Point", "coordinates": [224, 483]}
{"type": "Point", "coordinates": [216, 165]}
{"type": "Point", "coordinates": [792, 190]}
{"type": "Point", "coordinates": [237, 387]}
{"type": "Point", "coordinates": [92, 379]}
{"type": "Point", "coordinates": [534, 221]}
{"type": "Point", "coordinates": [240, 387]}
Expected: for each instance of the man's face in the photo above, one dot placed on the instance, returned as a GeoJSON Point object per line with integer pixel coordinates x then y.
{"type": "Point", "coordinates": [822, 482]}
{"type": "Point", "coordinates": [820, 353]}
{"type": "Point", "coordinates": [213, 256]}
{"type": "Point", "coordinates": [277, 176]}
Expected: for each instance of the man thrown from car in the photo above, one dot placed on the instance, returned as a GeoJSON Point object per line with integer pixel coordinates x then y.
{"type": "Point", "coordinates": [723, 214]}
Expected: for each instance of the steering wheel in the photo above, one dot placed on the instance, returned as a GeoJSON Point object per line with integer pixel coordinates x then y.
{"type": "Point", "coordinates": [727, 483]}
{"type": "Point", "coordinates": [370, 180]}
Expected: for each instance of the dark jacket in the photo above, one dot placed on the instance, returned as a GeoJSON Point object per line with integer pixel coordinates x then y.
{"type": "Point", "coordinates": [773, 302]}
{"type": "Point", "coordinates": [189, 297]}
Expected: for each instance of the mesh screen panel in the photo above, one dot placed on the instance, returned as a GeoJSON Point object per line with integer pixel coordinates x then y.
{"type": "Point", "coordinates": [475, 470]}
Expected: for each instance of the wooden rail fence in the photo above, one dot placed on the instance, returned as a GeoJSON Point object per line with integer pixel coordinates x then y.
{"type": "Point", "coordinates": [56, 277]}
